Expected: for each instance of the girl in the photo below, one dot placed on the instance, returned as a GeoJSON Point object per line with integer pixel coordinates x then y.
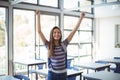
{"type": "Point", "coordinates": [57, 49]}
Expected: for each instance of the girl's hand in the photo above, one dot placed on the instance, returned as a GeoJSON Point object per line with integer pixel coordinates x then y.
{"type": "Point", "coordinates": [37, 12]}
{"type": "Point", "coordinates": [82, 14]}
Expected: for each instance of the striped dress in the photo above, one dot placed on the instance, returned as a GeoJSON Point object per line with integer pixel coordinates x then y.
{"type": "Point", "coordinates": [57, 63]}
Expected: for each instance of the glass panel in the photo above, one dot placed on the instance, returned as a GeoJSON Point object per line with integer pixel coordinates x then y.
{"type": "Point", "coordinates": [85, 36]}
{"type": "Point", "coordinates": [53, 3]}
{"type": "Point", "coordinates": [86, 24]}
{"type": "Point", "coordinates": [41, 53]}
{"type": "Point", "coordinates": [74, 39]}
{"type": "Point", "coordinates": [72, 50]}
{"type": "Point", "coordinates": [3, 43]}
{"type": "Point", "coordinates": [85, 59]}
{"type": "Point", "coordinates": [98, 1]}
{"type": "Point", "coordinates": [85, 6]}
{"type": "Point", "coordinates": [112, 0]}
{"type": "Point", "coordinates": [85, 49]}
{"type": "Point", "coordinates": [24, 36]}
{"type": "Point", "coordinates": [31, 1]}
{"type": "Point", "coordinates": [70, 22]}
{"type": "Point", "coordinates": [70, 4]}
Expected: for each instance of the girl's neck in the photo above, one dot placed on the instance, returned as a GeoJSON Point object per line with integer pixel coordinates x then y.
{"type": "Point", "coordinates": [56, 43]}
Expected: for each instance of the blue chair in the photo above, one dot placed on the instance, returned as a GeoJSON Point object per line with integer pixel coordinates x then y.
{"type": "Point", "coordinates": [102, 62]}
{"type": "Point", "coordinates": [116, 66]}
{"type": "Point", "coordinates": [112, 67]}
{"type": "Point", "coordinates": [22, 77]}
{"type": "Point", "coordinates": [116, 57]}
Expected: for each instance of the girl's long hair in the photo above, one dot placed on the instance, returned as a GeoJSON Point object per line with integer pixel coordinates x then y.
{"type": "Point", "coordinates": [51, 42]}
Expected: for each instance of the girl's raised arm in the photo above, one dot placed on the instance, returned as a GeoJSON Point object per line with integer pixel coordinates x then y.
{"type": "Point", "coordinates": [39, 27]}
{"type": "Point", "coordinates": [69, 38]}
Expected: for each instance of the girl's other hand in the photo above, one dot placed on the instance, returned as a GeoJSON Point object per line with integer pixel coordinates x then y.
{"type": "Point", "coordinates": [83, 14]}
{"type": "Point", "coordinates": [37, 12]}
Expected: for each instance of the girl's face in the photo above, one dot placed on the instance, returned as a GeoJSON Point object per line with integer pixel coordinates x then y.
{"type": "Point", "coordinates": [56, 34]}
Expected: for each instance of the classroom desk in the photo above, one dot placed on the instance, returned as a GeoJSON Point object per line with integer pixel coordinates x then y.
{"type": "Point", "coordinates": [29, 63]}
{"type": "Point", "coordinates": [93, 66]}
{"type": "Point", "coordinates": [70, 73]}
{"type": "Point", "coordinates": [101, 75]}
{"type": "Point", "coordinates": [115, 61]}
{"type": "Point", "coordinates": [8, 78]}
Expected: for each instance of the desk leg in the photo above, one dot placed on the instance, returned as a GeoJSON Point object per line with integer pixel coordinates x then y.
{"type": "Point", "coordinates": [109, 68]}
{"type": "Point", "coordinates": [83, 78]}
{"type": "Point", "coordinates": [28, 70]}
{"type": "Point", "coordinates": [87, 71]}
{"type": "Point", "coordinates": [117, 70]}
{"type": "Point", "coordinates": [80, 76]}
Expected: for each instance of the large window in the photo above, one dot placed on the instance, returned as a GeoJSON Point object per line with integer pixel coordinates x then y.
{"type": "Point", "coordinates": [24, 34]}
{"type": "Point", "coordinates": [3, 42]}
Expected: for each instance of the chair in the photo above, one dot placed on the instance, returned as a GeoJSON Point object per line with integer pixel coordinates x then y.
{"type": "Point", "coordinates": [102, 62]}
{"type": "Point", "coordinates": [116, 57]}
{"type": "Point", "coordinates": [112, 66]}
{"type": "Point", "coordinates": [115, 66]}
{"type": "Point", "coordinates": [22, 77]}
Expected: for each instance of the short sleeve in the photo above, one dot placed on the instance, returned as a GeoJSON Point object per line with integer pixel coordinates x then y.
{"type": "Point", "coordinates": [65, 42]}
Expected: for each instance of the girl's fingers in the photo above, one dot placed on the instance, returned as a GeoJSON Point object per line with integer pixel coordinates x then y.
{"type": "Point", "coordinates": [37, 12]}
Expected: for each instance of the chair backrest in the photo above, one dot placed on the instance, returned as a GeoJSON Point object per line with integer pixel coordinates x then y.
{"type": "Point", "coordinates": [102, 62]}
{"type": "Point", "coordinates": [40, 66]}
{"type": "Point", "coordinates": [22, 77]}
{"type": "Point", "coordinates": [116, 57]}
{"type": "Point", "coordinates": [69, 64]}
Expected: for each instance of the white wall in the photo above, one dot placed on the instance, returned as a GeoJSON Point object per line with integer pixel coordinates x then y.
{"type": "Point", "coordinates": [105, 34]}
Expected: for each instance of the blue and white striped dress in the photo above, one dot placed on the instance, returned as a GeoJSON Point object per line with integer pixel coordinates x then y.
{"type": "Point", "coordinates": [57, 63]}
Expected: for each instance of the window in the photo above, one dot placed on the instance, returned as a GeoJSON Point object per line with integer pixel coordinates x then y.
{"type": "Point", "coordinates": [85, 6]}
{"type": "Point", "coordinates": [24, 34]}
{"type": "Point", "coordinates": [31, 1]}
{"type": "Point", "coordinates": [52, 3]}
{"type": "Point", "coordinates": [3, 42]}
{"type": "Point", "coordinates": [70, 4]}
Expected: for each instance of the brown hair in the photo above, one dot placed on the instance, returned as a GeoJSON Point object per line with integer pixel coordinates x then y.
{"type": "Point", "coordinates": [51, 42]}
